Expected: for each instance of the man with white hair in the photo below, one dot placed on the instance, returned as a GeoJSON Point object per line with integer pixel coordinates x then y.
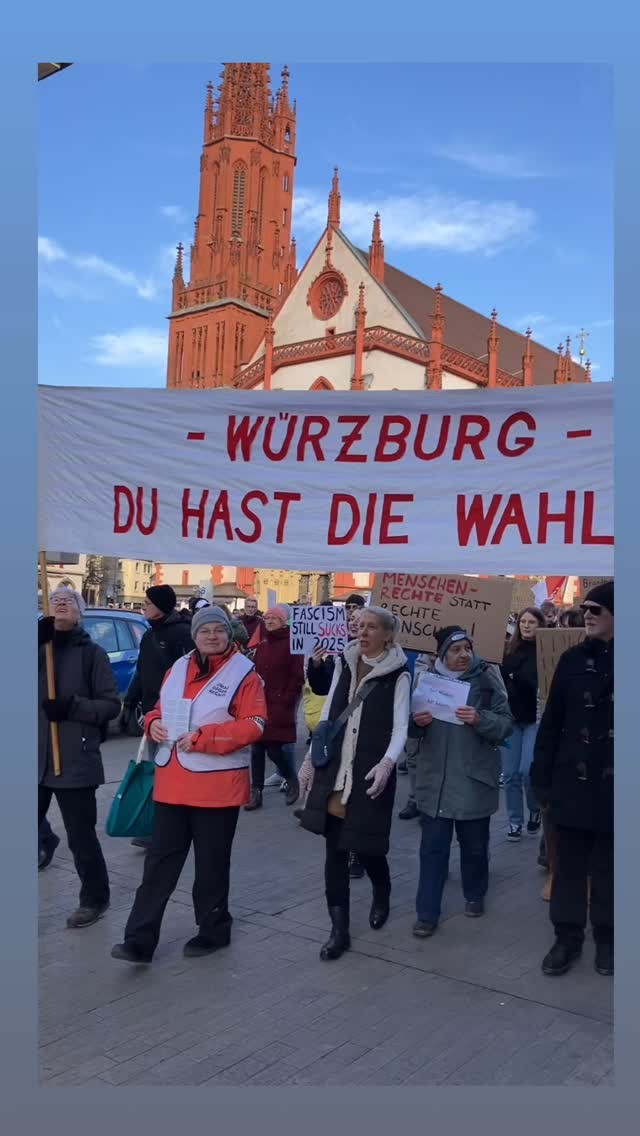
{"type": "Point", "coordinates": [86, 699]}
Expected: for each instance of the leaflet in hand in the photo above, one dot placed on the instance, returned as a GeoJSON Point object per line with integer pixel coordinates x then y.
{"type": "Point", "coordinates": [439, 696]}
{"type": "Point", "coordinates": [176, 715]}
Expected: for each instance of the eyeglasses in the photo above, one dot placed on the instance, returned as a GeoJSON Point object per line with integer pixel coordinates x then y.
{"type": "Point", "coordinates": [595, 609]}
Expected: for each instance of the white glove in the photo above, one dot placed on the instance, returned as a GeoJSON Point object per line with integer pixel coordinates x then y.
{"type": "Point", "coordinates": [305, 776]}
{"type": "Point", "coordinates": [380, 774]}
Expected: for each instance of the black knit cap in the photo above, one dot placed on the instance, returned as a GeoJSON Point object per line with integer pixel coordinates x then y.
{"type": "Point", "coordinates": [355, 599]}
{"type": "Point", "coordinates": [603, 595]}
{"type": "Point", "coordinates": [445, 636]}
{"type": "Point", "coordinates": [163, 597]}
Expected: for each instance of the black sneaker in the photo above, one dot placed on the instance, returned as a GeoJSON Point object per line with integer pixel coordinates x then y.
{"type": "Point", "coordinates": [424, 930]}
{"type": "Point", "coordinates": [409, 812]}
{"type": "Point", "coordinates": [128, 952]}
{"type": "Point", "coordinates": [515, 832]}
{"type": "Point", "coordinates": [604, 958]}
{"type": "Point", "coordinates": [356, 870]}
{"type": "Point", "coordinates": [533, 824]}
{"type": "Point", "coordinates": [85, 916]}
{"type": "Point", "coordinates": [402, 767]}
{"type": "Point", "coordinates": [47, 852]}
{"type": "Point", "coordinates": [560, 958]}
{"type": "Point", "coordinates": [474, 908]}
{"type": "Point", "coordinates": [199, 946]}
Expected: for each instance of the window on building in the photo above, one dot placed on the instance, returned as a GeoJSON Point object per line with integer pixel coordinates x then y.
{"type": "Point", "coordinates": [284, 216]}
{"type": "Point", "coordinates": [239, 192]}
{"type": "Point", "coordinates": [285, 183]}
{"type": "Point", "coordinates": [185, 578]}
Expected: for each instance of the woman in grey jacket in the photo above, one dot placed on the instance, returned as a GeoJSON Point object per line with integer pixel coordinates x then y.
{"type": "Point", "coordinates": [457, 772]}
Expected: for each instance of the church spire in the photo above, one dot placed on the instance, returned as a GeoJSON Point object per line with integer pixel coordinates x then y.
{"type": "Point", "coordinates": [244, 102]}
{"type": "Point", "coordinates": [208, 114]}
{"type": "Point", "coordinates": [376, 251]}
{"type": "Point", "coordinates": [242, 251]}
{"type": "Point", "coordinates": [333, 216]}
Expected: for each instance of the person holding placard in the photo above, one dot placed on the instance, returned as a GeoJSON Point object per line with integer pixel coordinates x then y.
{"type": "Point", "coordinates": [211, 709]}
{"type": "Point", "coordinates": [350, 795]}
{"type": "Point", "coordinates": [460, 717]}
{"type": "Point", "coordinates": [520, 675]}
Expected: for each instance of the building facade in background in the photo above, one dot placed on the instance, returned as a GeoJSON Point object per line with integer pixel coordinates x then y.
{"type": "Point", "coordinates": [348, 320]}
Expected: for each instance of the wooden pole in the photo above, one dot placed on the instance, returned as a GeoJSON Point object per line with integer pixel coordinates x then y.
{"type": "Point", "coordinates": [51, 682]}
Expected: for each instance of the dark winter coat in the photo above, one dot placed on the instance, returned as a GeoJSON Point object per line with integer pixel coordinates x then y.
{"type": "Point", "coordinates": [520, 675]}
{"type": "Point", "coordinates": [320, 677]}
{"type": "Point", "coordinates": [283, 677]}
{"type": "Point", "coordinates": [251, 623]}
{"type": "Point", "coordinates": [367, 822]}
{"type": "Point", "coordinates": [572, 769]}
{"type": "Point", "coordinates": [458, 767]}
{"type": "Point", "coordinates": [160, 647]}
{"type": "Point", "coordinates": [83, 673]}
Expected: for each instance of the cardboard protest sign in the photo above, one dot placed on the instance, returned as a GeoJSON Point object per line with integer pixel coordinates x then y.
{"type": "Point", "coordinates": [586, 583]}
{"type": "Point", "coordinates": [523, 595]}
{"type": "Point", "coordinates": [319, 625]}
{"type": "Point", "coordinates": [424, 603]}
{"type": "Point", "coordinates": [551, 643]}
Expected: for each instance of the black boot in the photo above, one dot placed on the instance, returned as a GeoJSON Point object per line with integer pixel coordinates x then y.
{"type": "Point", "coordinates": [255, 801]}
{"type": "Point", "coordinates": [339, 940]}
{"type": "Point", "coordinates": [560, 957]}
{"type": "Point", "coordinates": [604, 958]}
{"type": "Point", "coordinates": [379, 912]}
{"type": "Point", "coordinates": [409, 812]}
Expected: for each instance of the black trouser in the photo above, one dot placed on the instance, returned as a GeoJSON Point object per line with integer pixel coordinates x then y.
{"type": "Point", "coordinates": [581, 854]}
{"type": "Point", "coordinates": [276, 752]}
{"type": "Point", "coordinates": [45, 835]}
{"type": "Point", "coordinates": [79, 816]}
{"type": "Point", "coordinates": [336, 867]}
{"type": "Point", "coordinates": [175, 828]}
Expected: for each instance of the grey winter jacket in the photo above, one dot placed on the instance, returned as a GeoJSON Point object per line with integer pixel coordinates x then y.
{"type": "Point", "coordinates": [82, 673]}
{"type": "Point", "coordinates": [457, 768]}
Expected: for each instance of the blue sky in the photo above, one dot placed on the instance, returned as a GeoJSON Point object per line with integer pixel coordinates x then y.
{"type": "Point", "coordinates": [495, 180]}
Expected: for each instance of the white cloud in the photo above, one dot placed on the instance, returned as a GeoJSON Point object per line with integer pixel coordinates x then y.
{"type": "Point", "coordinates": [174, 213]}
{"type": "Point", "coordinates": [137, 347]}
{"type": "Point", "coordinates": [429, 220]}
{"type": "Point", "coordinates": [49, 251]}
{"type": "Point", "coordinates": [89, 266]}
{"type": "Point", "coordinates": [496, 163]}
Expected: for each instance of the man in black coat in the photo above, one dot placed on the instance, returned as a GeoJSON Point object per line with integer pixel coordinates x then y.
{"type": "Point", "coordinates": [572, 776]}
{"type": "Point", "coordinates": [168, 638]}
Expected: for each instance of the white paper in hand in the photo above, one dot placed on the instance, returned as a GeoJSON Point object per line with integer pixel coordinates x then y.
{"type": "Point", "coordinates": [176, 715]}
{"type": "Point", "coordinates": [440, 697]}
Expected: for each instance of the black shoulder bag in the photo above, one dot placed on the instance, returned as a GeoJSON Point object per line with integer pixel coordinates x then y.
{"type": "Point", "coordinates": [327, 735]}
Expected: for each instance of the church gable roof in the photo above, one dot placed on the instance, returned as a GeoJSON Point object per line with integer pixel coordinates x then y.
{"type": "Point", "coordinates": [466, 330]}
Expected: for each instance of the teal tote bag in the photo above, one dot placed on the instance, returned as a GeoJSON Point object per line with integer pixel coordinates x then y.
{"type": "Point", "coordinates": [131, 813]}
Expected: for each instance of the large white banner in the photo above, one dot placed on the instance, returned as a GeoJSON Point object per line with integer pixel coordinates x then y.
{"type": "Point", "coordinates": [503, 481]}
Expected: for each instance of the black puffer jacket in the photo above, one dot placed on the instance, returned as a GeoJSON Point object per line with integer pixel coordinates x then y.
{"type": "Point", "coordinates": [520, 674]}
{"type": "Point", "coordinates": [82, 673]}
{"type": "Point", "coordinates": [572, 768]}
{"type": "Point", "coordinates": [160, 647]}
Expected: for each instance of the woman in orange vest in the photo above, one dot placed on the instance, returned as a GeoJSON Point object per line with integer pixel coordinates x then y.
{"type": "Point", "coordinates": [201, 782]}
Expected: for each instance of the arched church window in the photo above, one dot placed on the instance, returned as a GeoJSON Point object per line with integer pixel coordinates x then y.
{"type": "Point", "coordinates": [239, 193]}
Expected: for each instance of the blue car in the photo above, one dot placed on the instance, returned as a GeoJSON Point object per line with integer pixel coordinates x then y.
{"type": "Point", "coordinates": [119, 634]}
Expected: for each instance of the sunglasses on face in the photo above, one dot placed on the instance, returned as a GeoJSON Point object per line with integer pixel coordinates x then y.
{"type": "Point", "coordinates": [594, 609]}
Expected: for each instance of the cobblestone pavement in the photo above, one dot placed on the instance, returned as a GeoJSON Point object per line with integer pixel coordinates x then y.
{"type": "Point", "coordinates": [468, 1007]}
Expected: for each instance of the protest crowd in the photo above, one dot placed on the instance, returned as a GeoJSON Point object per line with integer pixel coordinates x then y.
{"type": "Point", "coordinates": [223, 692]}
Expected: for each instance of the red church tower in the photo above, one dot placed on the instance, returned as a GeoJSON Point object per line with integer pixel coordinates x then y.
{"type": "Point", "coordinates": [243, 260]}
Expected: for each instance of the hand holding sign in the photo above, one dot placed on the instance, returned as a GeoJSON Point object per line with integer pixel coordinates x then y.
{"type": "Point", "coordinates": [468, 715]}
